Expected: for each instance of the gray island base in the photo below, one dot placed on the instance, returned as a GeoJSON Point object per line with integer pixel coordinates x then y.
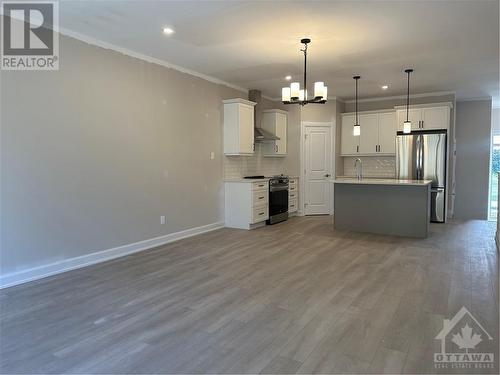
{"type": "Point", "coordinates": [383, 206]}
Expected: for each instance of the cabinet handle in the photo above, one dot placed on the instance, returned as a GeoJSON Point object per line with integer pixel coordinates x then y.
{"type": "Point", "coordinates": [276, 148]}
{"type": "Point", "coordinates": [261, 197]}
{"type": "Point", "coordinates": [422, 124]}
{"type": "Point", "coordinates": [262, 213]}
{"type": "Point", "coordinates": [357, 148]}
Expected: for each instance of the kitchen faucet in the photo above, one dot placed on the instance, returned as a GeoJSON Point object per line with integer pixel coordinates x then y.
{"type": "Point", "coordinates": [359, 172]}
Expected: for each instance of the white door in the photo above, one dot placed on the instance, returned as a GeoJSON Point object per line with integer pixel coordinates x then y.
{"type": "Point", "coordinates": [349, 144]}
{"type": "Point", "coordinates": [368, 139]}
{"type": "Point", "coordinates": [435, 117]}
{"type": "Point", "coordinates": [246, 125]}
{"type": "Point", "coordinates": [414, 115]}
{"type": "Point", "coordinates": [387, 133]}
{"type": "Point", "coordinates": [318, 170]}
{"type": "Point", "coordinates": [281, 133]}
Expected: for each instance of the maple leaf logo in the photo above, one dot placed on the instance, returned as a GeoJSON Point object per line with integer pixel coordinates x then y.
{"type": "Point", "coordinates": [466, 340]}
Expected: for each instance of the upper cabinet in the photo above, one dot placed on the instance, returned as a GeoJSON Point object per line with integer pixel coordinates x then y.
{"type": "Point", "coordinates": [387, 133]}
{"type": "Point", "coordinates": [378, 134]}
{"type": "Point", "coordinates": [349, 142]}
{"type": "Point", "coordinates": [368, 139]}
{"type": "Point", "coordinates": [238, 127]}
{"type": "Point", "coordinates": [275, 122]}
{"type": "Point", "coordinates": [426, 117]}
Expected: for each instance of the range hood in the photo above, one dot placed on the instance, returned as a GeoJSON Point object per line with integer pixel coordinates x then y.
{"type": "Point", "coordinates": [260, 134]}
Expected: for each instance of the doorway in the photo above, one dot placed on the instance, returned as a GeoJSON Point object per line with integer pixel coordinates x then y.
{"type": "Point", "coordinates": [317, 167]}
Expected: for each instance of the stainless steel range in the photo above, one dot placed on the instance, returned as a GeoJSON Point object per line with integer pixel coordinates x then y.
{"type": "Point", "coordinates": [278, 199]}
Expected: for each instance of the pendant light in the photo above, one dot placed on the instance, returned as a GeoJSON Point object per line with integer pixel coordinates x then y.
{"type": "Point", "coordinates": [357, 127]}
{"type": "Point", "coordinates": [295, 95]}
{"type": "Point", "coordinates": [407, 123]}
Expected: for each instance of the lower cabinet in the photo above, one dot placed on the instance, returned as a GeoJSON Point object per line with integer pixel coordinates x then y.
{"type": "Point", "coordinates": [293, 195]}
{"type": "Point", "coordinates": [246, 203]}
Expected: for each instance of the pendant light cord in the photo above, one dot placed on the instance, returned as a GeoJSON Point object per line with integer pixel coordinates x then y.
{"type": "Point", "coordinates": [305, 70]}
{"type": "Point", "coordinates": [408, 71]}
{"type": "Point", "coordinates": [356, 102]}
{"type": "Point", "coordinates": [408, 97]}
{"type": "Point", "coordinates": [356, 78]}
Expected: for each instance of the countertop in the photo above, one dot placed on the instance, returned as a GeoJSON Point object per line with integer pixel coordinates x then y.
{"type": "Point", "coordinates": [241, 179]}
{"type": "Point", "coordinates": [381, 181]}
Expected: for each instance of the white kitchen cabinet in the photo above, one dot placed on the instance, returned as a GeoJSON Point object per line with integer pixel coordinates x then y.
{"type": "Point", "coordinates": [238, 127]}
{"type": "Point", "coordinates": [426, 117]}
{"type": "Point", "coordinates": [246, 203]}
{"type": "Point", "coordinates": [349, 144]}
{"type": "Point", "coordinates": [435, 117]}
{"type": "Point", "coordinates": [368, 139]}
{"type": "Point", "coordinates": [377, 137]}
{"type": "Point", "coordinates": [414, 115]}
{"type": "Point", "coordinates": [387, 133]}
{"type": "Point", "coordinates": [275, 122]}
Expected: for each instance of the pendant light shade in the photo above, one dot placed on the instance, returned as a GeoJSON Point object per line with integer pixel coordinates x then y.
{"type": "Point", "coordinates": [407, 127]}
{"type": "Point", "coordinates": [357, 127]}
{"type": "Point", "coordinates": [356, 130]}
{"type": "Point", "coordinates": [407, 123]}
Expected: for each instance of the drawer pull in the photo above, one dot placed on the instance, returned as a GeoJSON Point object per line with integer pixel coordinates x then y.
{"type": "Point", "coordinates": [261, 213]}
{"type": "Point", "coordinates": [261, 197]}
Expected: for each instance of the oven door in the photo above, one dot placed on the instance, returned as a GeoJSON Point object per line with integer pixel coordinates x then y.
{"type": "Point", "coordinates": [278, 200]}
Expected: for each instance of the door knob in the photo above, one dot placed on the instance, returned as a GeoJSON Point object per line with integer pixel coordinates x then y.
{"type": "Point", "coordinates": [327, 175]}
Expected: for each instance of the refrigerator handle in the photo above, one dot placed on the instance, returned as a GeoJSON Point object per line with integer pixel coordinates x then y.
{"type": "Point", "coordinates": [418, 157]}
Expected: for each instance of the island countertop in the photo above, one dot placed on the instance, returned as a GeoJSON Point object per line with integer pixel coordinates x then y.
{"type": "Point", "coordinates": [380, 181]}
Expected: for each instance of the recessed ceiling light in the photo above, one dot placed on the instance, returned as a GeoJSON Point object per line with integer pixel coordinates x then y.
{"type": "Point", "coordinates": [385, 87]}
{"type": "Point", "coordinates": [288, 78]}
{"type": "Point", "coordinates": [168, 30]}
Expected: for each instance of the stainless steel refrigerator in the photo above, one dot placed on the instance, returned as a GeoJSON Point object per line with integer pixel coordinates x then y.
{"type": "Point", "coordinates": [421, 155]}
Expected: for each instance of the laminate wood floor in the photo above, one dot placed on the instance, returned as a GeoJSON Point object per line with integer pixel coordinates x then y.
{"type": "Point", "coordinates": [296, 297]}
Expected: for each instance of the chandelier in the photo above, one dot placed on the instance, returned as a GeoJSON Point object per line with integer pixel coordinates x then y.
{"type": "Point", "coordinates": [295, 95]}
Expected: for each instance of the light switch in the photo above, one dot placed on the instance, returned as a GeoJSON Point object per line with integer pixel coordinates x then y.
{"type": "Point", "coordinates": [212, 155]}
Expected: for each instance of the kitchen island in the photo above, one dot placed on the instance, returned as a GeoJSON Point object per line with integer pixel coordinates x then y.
{"type": "Point", "coordinates": [383, 206]}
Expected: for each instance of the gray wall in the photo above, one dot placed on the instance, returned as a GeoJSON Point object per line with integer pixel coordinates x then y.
{"type": "Point", "coordinates": [473, 132]}
{"type": "Point", "coordinates": [93, 154]}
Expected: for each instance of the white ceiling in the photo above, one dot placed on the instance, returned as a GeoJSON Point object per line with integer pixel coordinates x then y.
{"type": "Point", "coordinates": [452, 45]}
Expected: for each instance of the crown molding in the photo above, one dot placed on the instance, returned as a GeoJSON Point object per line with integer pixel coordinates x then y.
{"type": "Point", "coordinates": [381, 98]}
{"type": "Point", "coordinates": [473, 99]}
{"type": "Point", "coordinates": [99, 43]}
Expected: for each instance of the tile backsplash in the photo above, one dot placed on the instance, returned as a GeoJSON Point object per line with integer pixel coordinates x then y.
{"type": "Point", "coordinates": [373, 166]}
{"type": "Point", "coordinates": [239, 166]}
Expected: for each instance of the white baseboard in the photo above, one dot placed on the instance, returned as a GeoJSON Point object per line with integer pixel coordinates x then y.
{"type": "Point", "coordinates": [50, 269]}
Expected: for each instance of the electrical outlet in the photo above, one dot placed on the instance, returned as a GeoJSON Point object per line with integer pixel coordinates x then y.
{"type": "Point", "coordinates": [163, 220]}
